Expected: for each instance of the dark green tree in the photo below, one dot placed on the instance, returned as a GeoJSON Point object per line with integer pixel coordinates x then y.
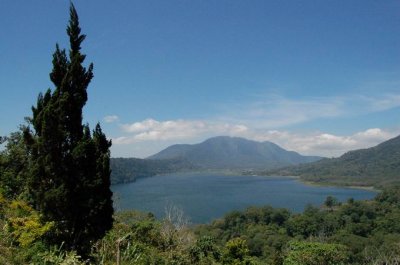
{"type": "Point", "coordinates": [330, 202]}
{"type": "Point", "coordinates": [70, 172]}
{"type": "Point", "coordinates": [315, 253]}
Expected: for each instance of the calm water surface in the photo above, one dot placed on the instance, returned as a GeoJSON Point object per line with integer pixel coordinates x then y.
{"type": "Point", "coordinates": [207, 197]}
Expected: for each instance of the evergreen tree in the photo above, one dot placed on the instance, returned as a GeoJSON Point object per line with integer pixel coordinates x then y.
{"type": "Point", "coordinates": [70, 173]}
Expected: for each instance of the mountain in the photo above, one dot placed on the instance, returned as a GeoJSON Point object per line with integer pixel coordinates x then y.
{"type": "Point", "coordinates": [377, 166]}
{"type": "Point", "coordinates": [225, 152]}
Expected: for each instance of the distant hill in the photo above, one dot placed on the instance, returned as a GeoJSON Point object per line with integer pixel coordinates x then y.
{"type": "Point", "coordinates": [125, 170]}
{"type": "Point", "coordinates": [377, 166]}
{"type": "Point", "coordinates": [225, 152]}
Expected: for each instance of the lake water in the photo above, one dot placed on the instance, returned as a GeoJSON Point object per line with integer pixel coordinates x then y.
{"type": "Point", "coordinates": [207, 197]}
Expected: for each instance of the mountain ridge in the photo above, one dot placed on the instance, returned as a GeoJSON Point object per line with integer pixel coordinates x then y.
{"type": "Point", "coordinates": [225, 152]}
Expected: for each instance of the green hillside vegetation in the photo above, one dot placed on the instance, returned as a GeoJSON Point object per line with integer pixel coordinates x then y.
{"type": "Point", "coordinates": [355, 232]}
{"type": "Point", "coordinates": [125, 170]}
{"type": "Point", "coordinates": [378, 166]}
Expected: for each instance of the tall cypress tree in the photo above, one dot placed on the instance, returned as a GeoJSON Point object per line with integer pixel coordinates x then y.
{"type": "Point", "coordinates": [70, 176]}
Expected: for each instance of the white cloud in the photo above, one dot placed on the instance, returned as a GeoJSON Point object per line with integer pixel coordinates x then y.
{"type": "Point", "coordinates": [111, 118]}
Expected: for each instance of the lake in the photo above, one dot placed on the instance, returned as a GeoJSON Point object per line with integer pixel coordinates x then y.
{"type": "Point", "coordinates": [207, 197]}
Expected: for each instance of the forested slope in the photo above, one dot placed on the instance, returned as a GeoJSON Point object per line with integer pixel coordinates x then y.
{"type": "Point", "coordinates": [125, 170]}
{"type": "Point", "coordinates": [377, 166]}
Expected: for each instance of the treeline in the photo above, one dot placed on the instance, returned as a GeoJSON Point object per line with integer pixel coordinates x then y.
{"type": "Point", "coordinates": [355, 232]}
{"type": "Point", "coordinates": [125, 170]}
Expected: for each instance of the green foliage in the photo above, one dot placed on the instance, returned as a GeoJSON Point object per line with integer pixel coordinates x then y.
{"type": "Point", "coordinates": [205, 251]}
{"type": "Point", "coordinates": [356, 226]}
{"type": "Point", "coordinates": [138, 238]}
{"type": "Point", "coordinates": [118, 244]}
{"type": "Point", "coordinates": [14, 165]}
{"type": "Point", "coordinates": [385, 255]}
{"type": "Point", "coordinates": [236, 252]}
{"type": "Point", "coordinates": [21, 231]}
{"type": "Point", "coordinates": [57, 256]}
{"type": "Point", "coordinates": [24, 224]}
{"type": "Point", "coordinates": [358, 232]}
{"type": "Point", "coordinates": [69, 173]}
{"type": "Point", "coordinates": [315, 253]}
{"type": "Point", "coordinates": [331, 201]}
{"type": "Point", "coordinates": [390, 195]}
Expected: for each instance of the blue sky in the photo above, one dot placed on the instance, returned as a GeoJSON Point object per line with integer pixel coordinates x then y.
{"type": "Point", "coordinates": [317, 77]}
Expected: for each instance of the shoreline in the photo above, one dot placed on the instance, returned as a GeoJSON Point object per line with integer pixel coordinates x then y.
{"type": "Point", "coordinates": [329, 184]}
{"type": "Point", "coordinates": [321, 184]}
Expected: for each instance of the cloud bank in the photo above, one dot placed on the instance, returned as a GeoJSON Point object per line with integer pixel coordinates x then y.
{"type": "Point", "coordinates": [317, 143]}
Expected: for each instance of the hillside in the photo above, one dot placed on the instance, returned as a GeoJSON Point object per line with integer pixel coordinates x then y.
{"type": "Point", "coordinates": [376, 166]}
{"type": "Point", "coordinates": [225, 152]}
{"type": "Point", "coordinates": [129, 169]}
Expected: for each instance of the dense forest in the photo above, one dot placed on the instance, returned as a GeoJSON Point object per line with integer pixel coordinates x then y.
{"type": "Point", "coordinates": [355, 232]}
